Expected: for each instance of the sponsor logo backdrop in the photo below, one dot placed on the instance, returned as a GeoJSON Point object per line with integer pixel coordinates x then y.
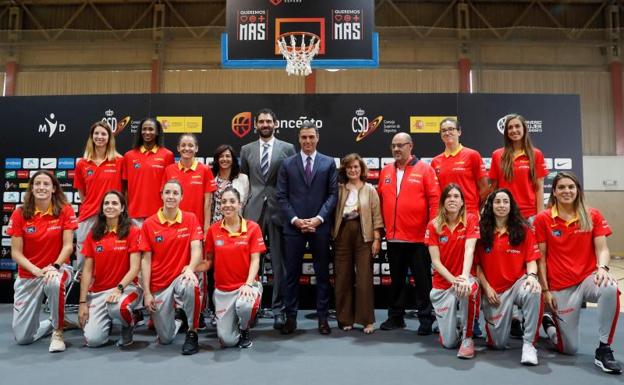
{"type": "Point", "coordinates": [347, 123]}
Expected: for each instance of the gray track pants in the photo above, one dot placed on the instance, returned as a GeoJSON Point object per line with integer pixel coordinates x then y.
{"type": "Point", "coordinates": [187, 297]}
{"type": "Point", "coordinates": [455, 316]}
{"type": "Point", "coordinates": [81, 235]}
{"type": "Point", "coordinates": [569, 303]}
{"type": "Point", "coordinates": [498, 319]}
{"type": "Point", "coordinates": [234, 313]}
{"type": "Point", "coordinates": [27, 303]}
{"type": "Point", "coordinates": [102, 314]}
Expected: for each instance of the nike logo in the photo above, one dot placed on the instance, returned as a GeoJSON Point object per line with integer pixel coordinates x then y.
{"type": "Point", "coordinates": [47, 163]}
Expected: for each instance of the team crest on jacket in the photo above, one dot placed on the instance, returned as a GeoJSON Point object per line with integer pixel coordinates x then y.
{"type": "Point", "coordinates": [488, 250]}
{"type": "Point", "coordinates": [443, 239]}
{"type": "Point", "coordinates": [89, 172]}
{"type": "Point", "coordinates": [99, 249]}
{"type": "Point", "coordinates": [387, 180]}
{"type": "Point", "coordinates": [219, 242]}
{"type": "Point", "coordinates": [159, 239]}
{"type": "Point", "coordinates": [556, 233]}
{"type": "Point", "coordinates": [31, 229]}
{"type": "Point", "coordinates": [137, 165]}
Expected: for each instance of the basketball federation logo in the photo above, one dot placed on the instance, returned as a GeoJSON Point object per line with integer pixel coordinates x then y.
{"type": "Point", "coordinates": [242, 124]}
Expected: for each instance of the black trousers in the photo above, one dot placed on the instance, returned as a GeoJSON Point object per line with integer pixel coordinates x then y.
{"type": "Point", "coordinates": [415, 256]}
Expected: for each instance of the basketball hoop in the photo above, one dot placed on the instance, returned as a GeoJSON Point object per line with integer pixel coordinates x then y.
{"type": "Point", "coordinates": [298, 58]}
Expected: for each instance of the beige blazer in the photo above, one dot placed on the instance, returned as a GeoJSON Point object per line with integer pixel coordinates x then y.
{"type": "Point", "coordinates": [370, 211]}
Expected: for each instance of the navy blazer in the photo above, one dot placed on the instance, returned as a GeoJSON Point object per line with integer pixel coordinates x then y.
{"type": "Point", "coordinates": [297, 198]}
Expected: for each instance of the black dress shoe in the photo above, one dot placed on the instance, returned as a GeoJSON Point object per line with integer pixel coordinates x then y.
{"type": "Point", "coordinates": [323, 327]}
{"type": "Point", "coordinates": [425, 327]}
{"type": "Point", "coordinates": [289, 326]}
{"type": "Point", "coordinates": [393, 323]}
{"type": "Point", "coordinates": [278, 321]}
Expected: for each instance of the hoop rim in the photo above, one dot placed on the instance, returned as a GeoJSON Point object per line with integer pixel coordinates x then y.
{"type": "Point", "coordinates": [289, 48]}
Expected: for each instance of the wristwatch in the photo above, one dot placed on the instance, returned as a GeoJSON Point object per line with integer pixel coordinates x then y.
{"type": "Point", "coordinates": [56, 266]}
{"type": "Point", "coordinates": [120, 288]}
{"type": "Point", "coordinates": [605, 267]}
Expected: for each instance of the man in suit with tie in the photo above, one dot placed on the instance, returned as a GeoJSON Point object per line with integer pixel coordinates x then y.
{"type": "Point", "coordinates": [307, 192]}
{"type": "Point", "coordinates": [261, 160]}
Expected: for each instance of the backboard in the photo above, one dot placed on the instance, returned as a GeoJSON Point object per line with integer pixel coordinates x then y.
{"type": "Point", "coordinates": [345, 29]}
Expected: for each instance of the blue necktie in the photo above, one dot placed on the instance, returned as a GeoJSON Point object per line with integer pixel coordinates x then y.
{"type": "Point", "coordinates": [264, 160]}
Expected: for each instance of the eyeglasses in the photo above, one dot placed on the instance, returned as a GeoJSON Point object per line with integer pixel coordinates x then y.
{"type": "Point", "coordinates": [445, 130]}
{"type": "Point", "coordinates": [398, 145]}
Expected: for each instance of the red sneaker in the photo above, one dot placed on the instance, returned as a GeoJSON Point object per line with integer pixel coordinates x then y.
{"type": "Point", "coordinates": [466, 349]}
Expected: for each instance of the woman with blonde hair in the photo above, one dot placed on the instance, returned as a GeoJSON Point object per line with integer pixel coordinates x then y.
{"type": "Point", "coordinates": [357, 239]}
{"type": "Point", "coordinates": [97, 172]}
{"type": "Point", "coordinates": [451, 237]}
{"type": "Point", "coordinates": [574, 268]}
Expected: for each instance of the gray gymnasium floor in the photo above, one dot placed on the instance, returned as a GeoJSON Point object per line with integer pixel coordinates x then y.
{"type": "Point", "coordinates": [396, 357]}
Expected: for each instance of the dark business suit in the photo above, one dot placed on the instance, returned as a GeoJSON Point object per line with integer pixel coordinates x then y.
{"type": "Point", "coordinates": [304, 199]}
{"type": "Point", "coordinates": [262, 207]}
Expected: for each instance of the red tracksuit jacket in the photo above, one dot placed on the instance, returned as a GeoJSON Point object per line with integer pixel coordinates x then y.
{"type": "Point", "coordinates": [406, 215]}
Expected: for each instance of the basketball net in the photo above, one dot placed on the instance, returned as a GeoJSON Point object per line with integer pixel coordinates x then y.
{"type": "Point", "coordinates": [298, 58]}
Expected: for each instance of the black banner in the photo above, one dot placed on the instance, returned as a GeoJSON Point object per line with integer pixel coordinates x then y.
{"type": "Point", "coordinates": [50, 133]}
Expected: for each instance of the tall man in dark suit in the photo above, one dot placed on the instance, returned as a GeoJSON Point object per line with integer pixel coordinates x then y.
{"type": "Point", "coordinates": [307, 192]}
{"type": "Point", "coordinates": [261, 161]}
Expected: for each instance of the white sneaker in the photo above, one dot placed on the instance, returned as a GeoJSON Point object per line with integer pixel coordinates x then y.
{"type": "Point", "coordinates": [56, 342]}
{"type": "Point", "coordinates": [529, 355]}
